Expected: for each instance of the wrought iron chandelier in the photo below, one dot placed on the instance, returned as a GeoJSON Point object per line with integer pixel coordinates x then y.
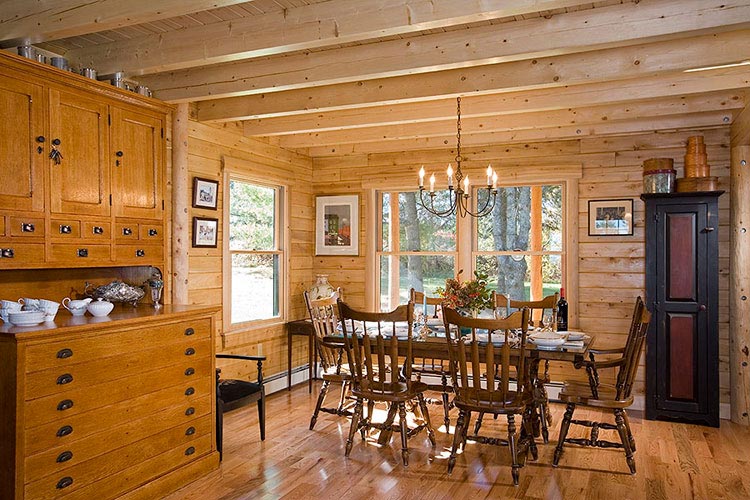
{"type": "Point", "coordinates": [460, 196]}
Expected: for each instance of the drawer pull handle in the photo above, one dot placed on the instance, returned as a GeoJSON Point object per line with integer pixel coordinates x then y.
{"type": "Point", "coordinates": [64, 379]}
{"type": "Point", "coordinates": [189, 391]}
{"type": "Point", "coordinates": [98, 230]}
{"type": "Point", "coordinates": [190, 431]}
{"type": "Point", "coordinates": [7, 253]}
{"type": "Point", "coordinates": [64, 353]}
{"type": "Point", "coordinates": [65, 404]}
{"type": "Point", "coordinates": [189, 331]}
{"type": "Point", "coordinates": [126, 231]}
{"type": "Point", "coordinates": [189, 351]}
{"type": "Point", "coordinates": [64, 456]}
{"type": "Point", "coordinates": [140, 253]}
{"type": "Point", "coordinates": [83, 252]}
{"type": "Point", "coordinates": [190, 411]}
{"type": "Point", "coordinates": [64, 482]}
{"type": "Point", "coordinates": [27, 227]}
{"type": "Point", "coordinates": [64, 431]}
{"type": "Point", "coordinates": [65, 229]}
{"type": "Point", "coordinates": [153, 232]}
{"type": "Point", "coordinates": [190, 371]}
{"type": "Point", "coordinates": [190, 451]}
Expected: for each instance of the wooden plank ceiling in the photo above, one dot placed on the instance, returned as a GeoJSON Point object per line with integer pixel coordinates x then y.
{"type": "Point", "coordinates": [337, 77]}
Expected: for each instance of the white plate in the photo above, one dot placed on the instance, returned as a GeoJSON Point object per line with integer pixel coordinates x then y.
{"type": "Point", "coordinates": [576, 336]}
{"type": "Point", "coordinates": [27, 322]}
{"type": "Point", "coordinates": [547, 339]}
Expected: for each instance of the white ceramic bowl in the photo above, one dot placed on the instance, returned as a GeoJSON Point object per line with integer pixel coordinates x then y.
{"type": "Point", "coordinates": [26, 318]}
{"type": "Point", "coordinates": [100, 308]}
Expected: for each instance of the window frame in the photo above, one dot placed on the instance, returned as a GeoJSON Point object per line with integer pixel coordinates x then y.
{"type": "Point", "coordinates": [280, 249]}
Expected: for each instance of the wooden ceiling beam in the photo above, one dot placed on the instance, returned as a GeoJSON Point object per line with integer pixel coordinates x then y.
{"type": "Point", "coordinates": [301, 28]}
{"type": "Point", "coordinates": [25, 21]}
{"type": "Point", "coordinates": [625, 63]}
{"type": "Point", "coordinates": [522, 120]}
{"type": "Point", "coordinates": [574, 32]}
{"type": "Point", "coordinates": [691, 121]}
{"type": "Point", "coordinates": [671, 84]}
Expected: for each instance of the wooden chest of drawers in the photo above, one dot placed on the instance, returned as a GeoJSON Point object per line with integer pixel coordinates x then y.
{"type": "Point", "coordinates": [104, 409]}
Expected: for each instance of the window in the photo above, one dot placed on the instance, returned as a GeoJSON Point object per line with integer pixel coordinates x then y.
{"type": "Point", "coordinates": [255, 251]}
{"type": "Point", "coordinates": [520, 245]}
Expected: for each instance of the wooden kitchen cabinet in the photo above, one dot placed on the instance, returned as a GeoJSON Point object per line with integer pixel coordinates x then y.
{"type": "Point", "coordinates": [97, 409]}
{"type": "Point", "coordinates": [111, 170]}
{"type": "Point", "coordinates": [23, 123]}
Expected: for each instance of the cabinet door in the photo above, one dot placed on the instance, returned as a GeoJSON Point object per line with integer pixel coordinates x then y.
{"type": "Point", "coordinates": [79, 184]}
{"type": "Point", "coordinates": [138, 149]}
{"type": "Point", "coordinates": [22, 163]}
{"type": "Point", "coordinates": [683, 330]}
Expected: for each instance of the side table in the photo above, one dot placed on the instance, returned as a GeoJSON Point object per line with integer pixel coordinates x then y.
{"type": "Point", "coordinates": [303, 327]}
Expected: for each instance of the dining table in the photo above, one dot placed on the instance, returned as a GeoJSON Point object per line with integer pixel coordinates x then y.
{"type": "Point", "coordinates": [428, 341]}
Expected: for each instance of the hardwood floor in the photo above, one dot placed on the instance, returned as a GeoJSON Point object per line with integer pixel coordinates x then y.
{"type": "Point", "coordinates": [674, 461]}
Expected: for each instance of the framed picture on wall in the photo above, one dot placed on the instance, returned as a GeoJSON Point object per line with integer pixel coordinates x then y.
{"type": "Point", "coordinates": [205, 193]}
{"type": "Point", "coordinates": [337, 225]}
{"type": "Point", "coordinates": [205, 232]}
{"type": "Point", "coordinates": [611, 217]}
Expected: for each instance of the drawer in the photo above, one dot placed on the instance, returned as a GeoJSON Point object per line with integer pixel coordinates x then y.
{"type": "Point", "coordinates": [65, 228]}
{"type": "Point", "coordinates": [115, 470]}
{"type": "Point", "coordinates": [97, 230]}
{"type": "Point", "coordinates": [111, 437]}
{"type": "Point", "coordinates": [80, 254]}
{"type": "Point", "coordinates": [126, 231]}
{"type": "Point", "coordinates": [13, 255]}
{"type": "Point", "coordinates": [99, 370]}
{"type": "Point", "coordinates": [151, 232]}
{"type": "Point", "coordinates": [71, 429]}
{"type": "Point", "coordinates": [27, 227]}
{"type": "Point", "coordinates": [61, 354]}
{"type": "Point", "coordinates": [58, 407]}
{"type": "Point", "coordinates": [2, 225]}
{"type": "Point", "coordinates": [139, 253]}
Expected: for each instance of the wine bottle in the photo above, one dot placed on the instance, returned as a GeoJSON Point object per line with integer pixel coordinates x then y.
{"type": "Point", "coordinates": [562, 312]}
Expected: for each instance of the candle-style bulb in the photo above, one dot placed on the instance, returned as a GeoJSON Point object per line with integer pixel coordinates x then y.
{"type": "Point", "coordinates": [494, 180]}
{"type": "Point", "coordinates": [450, 175]}
{"type": "Point", "coordinates": [466, 185]}
{"type": "Point", "coordinates": [489, 175]}
{"type": "Point", "coordinates": [421, 176]}
{"type": "Point", "coordinates": [432, 183]}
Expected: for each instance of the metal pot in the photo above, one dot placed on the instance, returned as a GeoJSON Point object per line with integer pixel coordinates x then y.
{"type": "Point", "coordinates": [89, 73]}
{"type": "Point", "coordinates": [60, 62]}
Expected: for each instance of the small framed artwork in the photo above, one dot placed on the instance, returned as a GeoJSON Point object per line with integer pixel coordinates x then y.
{"type": "Point", "coordinates": [611, 217]}
{"type": "Point", "coordinates": [205, 232]}
{"type": "Point", "coordinates": [337, 225]}
{"type": "Point", "coordinates": [205, 193]}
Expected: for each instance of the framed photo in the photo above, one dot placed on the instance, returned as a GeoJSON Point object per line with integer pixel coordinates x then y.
{"type": "Point", "coordinates": [205, 193]}
{"type": "Point", "coordinates": [337, 225]}
{"type": "Point", "coordinates": [611, 217]}
{"type": "Point", "coordinates": [205, 231]}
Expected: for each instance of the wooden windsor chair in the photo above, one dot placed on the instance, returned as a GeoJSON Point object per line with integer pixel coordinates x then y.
{"type": "Point", "coordinates": [616, 397]}
{"type": "Point", "coordinates": [472, 358]}
{"type": "Point", "coordinates": [433, 367]}
{"type": "Point", "coordinates": [324, 317]}
{"type": "Point", "coordinates": [372, 348]}
{"type": "Point", "coordinates": [537, 310]}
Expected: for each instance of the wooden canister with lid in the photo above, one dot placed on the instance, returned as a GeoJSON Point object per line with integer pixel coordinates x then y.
{"type": "Point", "coordinates": [658, 175]}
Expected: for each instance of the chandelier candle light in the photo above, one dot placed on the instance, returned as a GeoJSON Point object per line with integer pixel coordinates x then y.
{"type": "Point", "coordinates": [460, 197]}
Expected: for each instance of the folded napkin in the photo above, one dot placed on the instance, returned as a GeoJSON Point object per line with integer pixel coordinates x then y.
{"type": "Point", "coordinates": [573, 343]}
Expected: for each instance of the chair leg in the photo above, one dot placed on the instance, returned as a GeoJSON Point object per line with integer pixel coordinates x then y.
{"type": "Point", "coordinates": [478, 425]}
{"type": "Point", "coordinates": [528, 430]}
{"type": "Point", "coordinates": [457, 438]}
{"type": "Point", "coordinates": [404, 433]}
{"type": "Point", "coordinates": [564, 426]}
{"type": "Point", "coordinates": [513, 448]}
{"type": "Point", "coordinates": [446, 404]}
{"type": "Point", "coordinates": [630, 433]}
{"type": "Point", "coordinates": [262, 415]}
{"type": "Point", "coordinates": [622, 430]}
{"type": "Point", "coordinates": [342, 398]}
{"type": "Point", "coordinates": [466, 430]}
{"type": "Point", "coordinates": [543, 411]}
{"type": "Point", "coordinates": [353, 428]}
{"type": "Point", "coordinates": [426, 417]}
{"type": "Point", "coordinates": [319, 404]}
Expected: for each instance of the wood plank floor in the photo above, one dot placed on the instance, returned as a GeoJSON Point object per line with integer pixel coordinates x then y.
{"type": "Point", "coordinates": [674, 461]}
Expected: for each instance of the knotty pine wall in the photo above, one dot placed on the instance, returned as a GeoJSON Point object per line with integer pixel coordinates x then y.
{"type": "Point", "coordinates": [611, 269]}
{"type": "Point", "coordinates": [208, 145]}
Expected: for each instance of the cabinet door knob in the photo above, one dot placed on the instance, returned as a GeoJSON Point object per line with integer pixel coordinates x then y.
{"type": "Point", "coordinates": [190, 451]}
{"type": "Point", "coordinates": [98, 230]}
{"type": "Point", "coordinates": [189, 331]}
{"type": "Point", "coordinates": [40, 139]}
{"type": "Point", "coordinates": [83, 252]}
{"type": "Point", "coordinates": [702, 307]}
{"type": "Point", "coordinates": [189, 351]}
{"type": "Point", "coordinates": [64, 353]}
{"type": "Point", "coordinates": [189, 391]}
{"type": "Point", "coordinates": [64, 379]}
{"type": "Point", "coordinates": [190, 431]}
{"type": "Point", "coordinates": [119, 154]}
{"type": "Point", "coordinates": [126, 231]}
{"type": "Point", "coordinates": [7, 253]}
{"type": "Point", "coordinates": [64, 482]}
{"type": "Point", "coordinates": [140, 253]}
{"type": "Point", "coordinates": [190, 411]}
{"type": "Point", "coordinates": [56, 142]}
{"type": "Point", "coordinates": [27, 227]}
{"type": "Point", "coordinates": [65, 229]}
{"type": "Point", "coordinates": [64, 456]}
{"type": "Point", "coordinates": [190, 371]}
{"type": "Point", "coordinates": [152, 232]}
{"type": "Point", "coordinates": [65, 404]}
{"type": "Point", "coordinates": [64, 431]}
{"type": "Point", "coordinates": [708, 229]}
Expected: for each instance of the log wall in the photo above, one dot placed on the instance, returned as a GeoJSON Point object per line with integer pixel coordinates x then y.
{"type": "Point", "coordinates": [208, 146]}
{"type": "Point", "coordinates": [610, 269]}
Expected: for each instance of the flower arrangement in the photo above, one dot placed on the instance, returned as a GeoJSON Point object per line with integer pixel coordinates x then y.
{"type": "Point", "coordinates": [472, 295]}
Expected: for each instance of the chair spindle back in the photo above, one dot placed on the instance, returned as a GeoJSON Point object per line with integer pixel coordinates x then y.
{"type": "Point", "coordinates": [536, 307]}
{"type": "Point", "coordinates": [324, 317]}
{"type": "Point", "coordinates": [633, 349]}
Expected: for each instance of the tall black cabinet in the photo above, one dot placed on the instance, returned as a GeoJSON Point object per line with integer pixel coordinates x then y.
{"type": "Point", "coordinates": [682, 271]}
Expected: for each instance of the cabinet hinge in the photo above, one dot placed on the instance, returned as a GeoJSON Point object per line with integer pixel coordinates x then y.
{"type": "Point", "coordinates": [110, 200]}
{"type": "Point", "coordinates": [162, 133]}
{"type": "Point", "coordinates": [109, 119]}
{"type": "Point", "coordinates": [656, 216]}
{"type": "Point", "coordinates": [162, 204]}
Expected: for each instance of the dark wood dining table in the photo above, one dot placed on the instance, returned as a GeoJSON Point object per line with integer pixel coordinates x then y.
{"type": "Point", "coordinates": [434, 346]}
